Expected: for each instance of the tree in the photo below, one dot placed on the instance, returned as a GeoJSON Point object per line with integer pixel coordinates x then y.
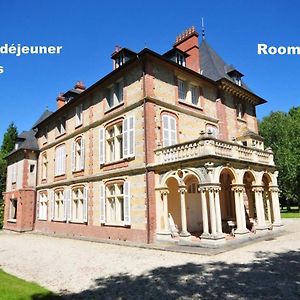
{"type": "Point", "coordinates": [9, 140]}
{"type": "Point", "coordinates": [282, 133]}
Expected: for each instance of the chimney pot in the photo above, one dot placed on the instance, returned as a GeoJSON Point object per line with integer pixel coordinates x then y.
{"type": "Point", "coordinates": [80, 86]}
{"type": "Point", "coordinates": [60, 100]}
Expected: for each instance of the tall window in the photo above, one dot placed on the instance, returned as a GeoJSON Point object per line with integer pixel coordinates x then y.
{"type": "Point", "coordinates": [43, 206]}
{"type": "Point", "coordinates": [169, 130]}
{"type": "Point", "coordinates": [77, 157]}
{"type": "Point", "coordinates": [195, 94]}
{"type": "Point", "coordinates": [79, 205]}
{"type": "Point", "coordinates": [61, 126]}
{"type": "Point", "coordinates": [14, 173]}
{"type": "Point", "coordinates": [78, 115]}
{"type": "Point", "coordinates": [181, 90]}
{"type": "Point", "coordinates": [60, 160]}
{"type": "Point", "coordinates": [115, 94]}
{"type": "Point", "coordinates": [45, 136]}
{"type": "Point", "coordinates": [13, 209]}
{"type": "Point", "coordinates": [59, 209]}
{"type": "Point", "coordinates": [119, 61]}
{"type": "Point", "coordinates": [44, 166]}
{"type": "Point", "coordinates": [115, 142]}
{"type": "Point", "coordinates": [115, 203]}
{"type": "Point", "coordinates": [240, 111]}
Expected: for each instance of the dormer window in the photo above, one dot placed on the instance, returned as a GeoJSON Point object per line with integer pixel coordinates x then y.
{"type": "Point", "coordinates": [119, 61]}
{"type": "Point", "coordinates": [180, 59]}
{"type": "Point", "coordinates": [237, 80]}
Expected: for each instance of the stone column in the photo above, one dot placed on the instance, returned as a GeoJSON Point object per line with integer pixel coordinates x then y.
{"type": "Point", "coordinates": [164, 194]}
{"type": "Point", "coordinates": [212, 210]}
{"type": "Point", "coordinates": [240, 209]}
{"type": "Point", "coordinates": [204, 213]}
{"type": "Point", "coordinates": [260, 213]}
{"type": "Point", "coordinates": [218, 210]}
{"type": "Point", "coordinates": [276, 206]}
{"type": "Point", "coordinates": [184, 232]}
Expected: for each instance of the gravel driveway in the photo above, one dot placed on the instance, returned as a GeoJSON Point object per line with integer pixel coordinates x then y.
{"type": "Point", "coordinates": [87, 270]}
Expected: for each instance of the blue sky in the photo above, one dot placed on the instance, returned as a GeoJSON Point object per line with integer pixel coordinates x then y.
{"type": "Point", "coordinates": [89, 30]}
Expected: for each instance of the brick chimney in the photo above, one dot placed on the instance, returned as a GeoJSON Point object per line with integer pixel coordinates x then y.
{"type": "Point", "coordinates": [79, 86]}
{"type": "Point", "coordinates": [188, 43]}
{"type": "Point", "coordinates": [60, 101]}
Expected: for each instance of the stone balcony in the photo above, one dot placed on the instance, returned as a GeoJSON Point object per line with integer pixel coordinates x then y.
{"type": "Point", "coordinates": [211, 147]}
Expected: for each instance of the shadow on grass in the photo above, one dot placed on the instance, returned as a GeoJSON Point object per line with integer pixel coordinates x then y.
{"type": "Point", "coordinates": [270, 276]}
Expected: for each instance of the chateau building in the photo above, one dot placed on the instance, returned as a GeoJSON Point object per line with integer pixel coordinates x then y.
{"type": "Point", "coordinates": [163, 147]}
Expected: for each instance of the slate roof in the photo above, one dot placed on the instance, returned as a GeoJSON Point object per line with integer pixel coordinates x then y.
{"type": "Point", "coordinates": [44, 116]}
{"type": "Point", "coordinates": [213, 66]}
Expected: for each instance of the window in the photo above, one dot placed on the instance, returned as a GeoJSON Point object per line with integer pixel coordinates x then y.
{"type": "Point", "coordinates": [77, 157]}
{"type": "Point", "coordinates": [14, 173]}
{"type": "Point", "coordinates": [117, 141]}
{"type": "Point", "coordinates": [180, 59]}
{"type": "Point", "coordinates": [78, 115]}
{"type": "Point", "coordinates": [212, 130]}
{"type": "Point", "coordinates": [237, 80]}
{"type": "Point", "coordinates": [60, 160]}
{"type": "Point", "coordinates": [31, 168]}
{"type": "Point", "coordinates": [240, 111]}
{"type": "Point", "coordinates": [115, 94]}
{"type": "Point", "coordinates": [169, 130]}
{"type": "Point", "coordinates": [44, 166]}
{"type": "Point", "coordinates": [119, 61]}
{"type": "Point", "coordinates": [115, 203]}
{"type": "Point", "coordinates": [13, 209]}
{"type": "Point", "coordinates": [61, 126]}
{"type": "Point", "coordinates": [43, 206]}
{"type": "Point", "coordinates": [79, 205]}
{"type": "Point", "coordinates": [195, 94]}
{"type": "Point", "coordinates": [59, 211]}
{"type": "Point", "coordinates": [45, 136]}
{"type": "Point", "coordinates": [181, 90]}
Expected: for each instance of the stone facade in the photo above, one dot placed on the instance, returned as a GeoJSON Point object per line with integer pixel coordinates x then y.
{"type": "Point", "coordinates": [154, 149]}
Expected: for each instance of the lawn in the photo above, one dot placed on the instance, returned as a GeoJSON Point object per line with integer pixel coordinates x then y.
{"type": "Point", "coordinates": [13, 288]}
{"type": "Point", "coordinates": [293, 213]}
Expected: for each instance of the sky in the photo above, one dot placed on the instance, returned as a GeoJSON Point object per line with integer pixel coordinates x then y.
{"type": "Point", "coordinates": [89, 31]}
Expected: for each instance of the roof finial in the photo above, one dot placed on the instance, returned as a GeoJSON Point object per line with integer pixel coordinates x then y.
{"type": "Point", "coordinates": [203, 29]}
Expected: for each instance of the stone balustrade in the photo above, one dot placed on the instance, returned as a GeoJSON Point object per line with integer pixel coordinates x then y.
{"type": "Point", "coordinates": [208, 146]}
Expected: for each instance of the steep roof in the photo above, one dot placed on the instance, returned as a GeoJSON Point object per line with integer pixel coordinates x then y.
{"type": "Point", "coordinates": [47, 113]}
{"type": "Point", "coordinates": [213, 66]}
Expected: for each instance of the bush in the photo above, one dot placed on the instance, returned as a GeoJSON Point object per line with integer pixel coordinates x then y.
{"type": "Point", "coordinates": [1, 213]}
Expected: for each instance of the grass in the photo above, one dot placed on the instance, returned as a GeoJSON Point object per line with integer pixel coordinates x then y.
{"type": "Point", "coordinates": [293, 213]}
{"type": "Point", "coordinates": [13, 288]}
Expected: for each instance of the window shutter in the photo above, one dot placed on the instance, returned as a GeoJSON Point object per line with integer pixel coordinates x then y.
{"type": "Point", "coordinates": [51, 199]}
{"type": "Point", "coordinates": [173, 131]}
{"type": "Point", "coordinates": [127, 218]}
{"type": "Point", "coordinates": [63, 159]}
{"type": "Point", "coordinates": [131, 136]}
{"type": "Point", "coordinates": [73, 156]}
{"type": "Point", "coordinates": [102, 203]}
{"type": "Point", "coordinates": [56, 161]}
{"type": "Point", "coordinates": [65, 202]}
{"type": "Point", "coordinates": [70, 208]}
{"type": "Point", "coordinates": [166, 131]}
{"type": "Point", "coordinates": [82, 150]}
{"type": "Point", "coordinates": [39, 206]}
{"type": "Point", "coordinates": [125, 138]}
{"type": "Point", "coordinates": [85, 204]}
{"type": "Point", "coordinates": [101, 146]}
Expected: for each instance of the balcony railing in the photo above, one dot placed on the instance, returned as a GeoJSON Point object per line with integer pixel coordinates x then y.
{"type": "Point", "coordinates": [212, 147]}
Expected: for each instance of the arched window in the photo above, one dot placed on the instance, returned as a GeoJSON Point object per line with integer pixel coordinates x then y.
{"type": "Point", "coordinates": [44, 166]}
{"type": "Point", "coordinates": [43, 206]}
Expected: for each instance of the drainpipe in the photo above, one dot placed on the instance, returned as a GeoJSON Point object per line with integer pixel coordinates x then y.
{"type": "Point", "coordinates": [146, 157]}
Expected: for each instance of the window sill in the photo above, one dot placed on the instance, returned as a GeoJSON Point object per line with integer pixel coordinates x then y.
{"type": "Point", "coordinates": [44, 180]}
{"type": "Point", "coordinates": [190, 105]}
{"type": "Point", "coordinates": [78, 126]}
{"type": "Point", "coordinates": [60, 177]}
{"type": "Point", "coordinates": [60, 221]}
{"type": "Point", "coordinates": [241, 120]}
{"type": "Point", "coordinates": [78, 173]}
{"type": "Point", "coordinates": [60, 135]}
{"type": "Point", "coordinates": [116, 164]}
{"type": "Point", "coordinates": [114, 107]}
{"type": "Point", "coordinates": [12, 221]}
{"type": "Point", "coordinates": [115, 224]}
{"type": "Point", "coordinates": [77, 222]}
{"type": "Point", "coordinates": [40, 219]}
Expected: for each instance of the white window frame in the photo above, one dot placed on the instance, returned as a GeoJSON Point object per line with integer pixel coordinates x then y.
{"type": "Point", "coordinates": [182, 90]}
{"type": "Point", "coordinates": [115, 203]}
{"type": "Point", "coordinates": [195, 95]}
{"type": "Point", "coordinates": [169, 130]}
{"type": "Point", "coordinates": [180, 59]}
{"type": "Point", "coordinates": [13, 210]}
{"type": "Point", "coordinates": [60, 160]}
{"type": "Point", "coordinates": [114, 142]}
{"type": "Point", "coordinates": [78, 154]}
{"type": "Point", "coordinates": [59, 206]}
{"type": "Point", "coordinates": [79, 115]}
{"type": "Point", "coordinates": [61, 126]}
{"type": "Point", "coordinates": [43, 206]}
{"type": "Point", "coordinates": [78, 205]}
{"type": "Point", "coordinates": [44, 166]}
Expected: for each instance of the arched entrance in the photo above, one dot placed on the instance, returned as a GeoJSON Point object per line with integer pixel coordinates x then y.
{"type": "Point", "coordinates": [249, 199]}
{"type": "Point", "coordinates": [174, 201]}
{"type": "Point", "coordinates": [227, 199]}
{"type": "Point", "coordinates": [267, 198]}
